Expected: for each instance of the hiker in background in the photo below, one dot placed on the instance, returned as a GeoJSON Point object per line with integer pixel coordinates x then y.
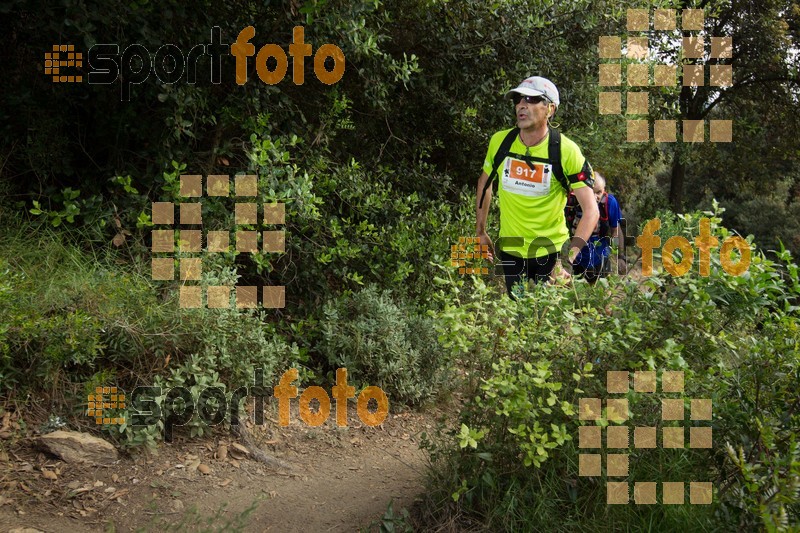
{"type": "Point", "coordinates": [594, 260]}
{"type": "Point", "coordinates": [537, 167]}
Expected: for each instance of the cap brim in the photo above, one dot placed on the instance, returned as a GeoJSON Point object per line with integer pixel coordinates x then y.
{"type": "Point", "coordinates": [526, 92]}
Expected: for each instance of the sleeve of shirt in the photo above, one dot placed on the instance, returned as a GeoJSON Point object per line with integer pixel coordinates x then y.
{"type": "Point", "coordinates": [614, 212]}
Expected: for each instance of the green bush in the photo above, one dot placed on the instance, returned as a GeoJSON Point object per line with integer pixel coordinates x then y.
{"type": "Point", "coordinates": [73, 321]}
{"type": "Point", "coordinates": [645, 203]}
{"type": "Point", "coordinates": [70, 311]}
{"type": "Point", "coordinates": [383, 343]}
{"type": "Point", "coordinates": [348, 226]}
{"type": "Point", "coordinates": [512, 459]}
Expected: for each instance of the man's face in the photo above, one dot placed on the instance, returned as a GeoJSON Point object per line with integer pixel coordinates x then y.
{"type": "Point", "coordinates": [599, 192]}
{"type": "Point", "coordinates": [531, 112]}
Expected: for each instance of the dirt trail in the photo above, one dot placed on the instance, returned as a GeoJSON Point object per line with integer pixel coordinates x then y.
{"type": "Point", "coordinates": [342, 479]}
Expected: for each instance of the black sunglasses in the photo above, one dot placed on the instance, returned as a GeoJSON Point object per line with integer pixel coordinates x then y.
{"type": "Point", "coordinates": [516, 98]}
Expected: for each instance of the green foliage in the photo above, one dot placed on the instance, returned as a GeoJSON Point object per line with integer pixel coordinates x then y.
{"type": "Point", "coordinates": [393, 521]}
{"type": "Point", "coordinates": [383, 343]}
{"type": "Point", "coordinates": [513, 463]}
{"type": "Point", "coordinates": [766, 456]}
{"type": "Point", "coordinates": [196, 374]}
{"type": "Point", "coordinates": [526, 396]}
{"type": "Point", "coordinates": [60, 308]}
{"type": "Point", "coordinates": [355, 225]}
{"type": "Point", "coordinates": [645, 202]}
{"type": "Point", "coordinates": [75, 322]}
{"type": "Point", "coordinates": [772, 220]}
{"type": "Point", "coordinates": [377, 174]}
{"type": "Point", "coordinates": [68, 212]}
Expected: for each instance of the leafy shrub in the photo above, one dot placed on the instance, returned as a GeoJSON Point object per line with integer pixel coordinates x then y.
{"type": "Point", "coordinates": [771, 220]}
{"type": "Point", "coordinates": [511, 461]}
{"type": "Point", "coordinates": [349, 226]}
{"type": "Point", "coordinates": [383, 343]}
{"type": "Point", "coordinates": [73, 321]}
{"type": "Point", "coordinates": [646, 201]}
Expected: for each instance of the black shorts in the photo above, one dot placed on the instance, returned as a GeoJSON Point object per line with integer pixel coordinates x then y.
{"type": "Point", "coordinates": [536, 268]}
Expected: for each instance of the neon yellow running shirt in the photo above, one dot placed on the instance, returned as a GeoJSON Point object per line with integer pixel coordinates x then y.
{"type": "Point", "coordinates": [532, 201]}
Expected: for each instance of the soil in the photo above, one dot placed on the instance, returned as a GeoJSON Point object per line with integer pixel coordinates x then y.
{"type": "Point", "coordinates": [341, 479]}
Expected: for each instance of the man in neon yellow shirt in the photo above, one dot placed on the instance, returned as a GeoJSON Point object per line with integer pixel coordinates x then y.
{"type": "Point", "coordinates": [532, 187]}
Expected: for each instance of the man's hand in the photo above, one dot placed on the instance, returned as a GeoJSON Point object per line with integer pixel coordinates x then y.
{"type": "Point", "coordinates": [560, 276]}
{"type": "Point", "coordinates": [486, 240]}
{"type": "Point", "coordinates": [573, 253]}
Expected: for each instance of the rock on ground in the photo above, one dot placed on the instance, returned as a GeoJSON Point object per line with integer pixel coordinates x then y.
{"type": "Point", "coordinates": [74, 447]}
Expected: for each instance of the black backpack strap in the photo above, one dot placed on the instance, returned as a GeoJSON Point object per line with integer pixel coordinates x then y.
{"type": "Point", "coordinates": [586, 174]}
{"type": "Point", "coordinates": [602, 206]}
{"type": "Point", "coordinates": [554, 155]}
{"type": "Point", "coordinates": [502, 152]}
{"type": "Point", "coordinates": [571, 211]}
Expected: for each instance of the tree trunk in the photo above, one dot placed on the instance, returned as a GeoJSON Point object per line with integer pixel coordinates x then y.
{"type": "Point", "coordinates": [676, 181]}
{"type": "Point", "coordinates": [690, 105]}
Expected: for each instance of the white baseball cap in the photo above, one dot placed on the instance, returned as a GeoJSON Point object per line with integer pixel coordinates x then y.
{"type": "Point", "coordinates": [537, 86]}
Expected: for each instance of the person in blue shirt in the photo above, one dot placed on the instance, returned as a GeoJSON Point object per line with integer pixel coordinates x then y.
{"type": "Point", "coordinates": [594, 260]}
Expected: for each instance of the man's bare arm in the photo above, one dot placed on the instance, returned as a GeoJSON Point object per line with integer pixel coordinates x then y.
{"type": "Point", "coordinates": [482, 213]}
{"type": "Point", "coordinates": [588, 221]}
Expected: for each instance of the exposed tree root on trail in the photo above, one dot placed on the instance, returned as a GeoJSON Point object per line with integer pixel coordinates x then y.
{"type": "Point", "coordinates": [256, 452]}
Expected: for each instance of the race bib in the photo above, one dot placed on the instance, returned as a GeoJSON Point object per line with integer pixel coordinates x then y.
{"type": "Point", "coordinates": [520, 178]}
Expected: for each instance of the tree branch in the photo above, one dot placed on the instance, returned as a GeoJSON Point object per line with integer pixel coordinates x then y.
{"type": "Point", "coordinates": [746, 83]}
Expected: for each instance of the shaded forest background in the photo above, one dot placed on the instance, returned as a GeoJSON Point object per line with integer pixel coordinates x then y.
{"type": "Point", "coordinates": [421, 94]}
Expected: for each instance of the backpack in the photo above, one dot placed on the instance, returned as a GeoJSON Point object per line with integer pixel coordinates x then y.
{"type": "Point", "coordinates": [573, 210]}
{"type": "Point", "coordinates": [553, 157]}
